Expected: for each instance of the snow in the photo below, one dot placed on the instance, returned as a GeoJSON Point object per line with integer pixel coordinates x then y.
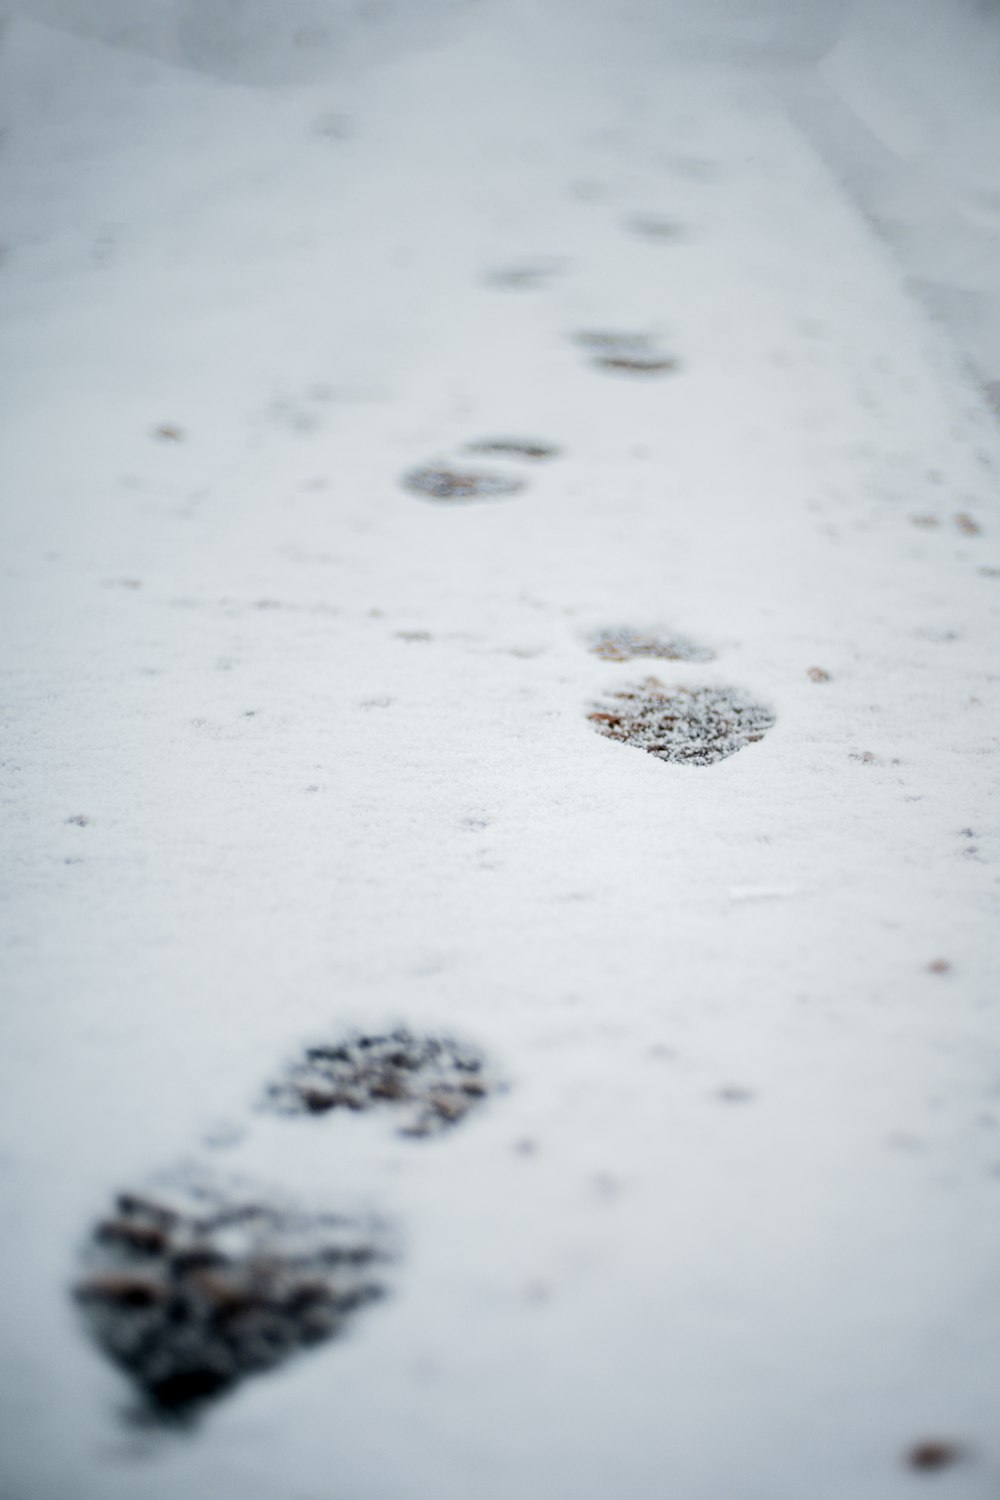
{"type": "Point", "coordinates": [291, 750]}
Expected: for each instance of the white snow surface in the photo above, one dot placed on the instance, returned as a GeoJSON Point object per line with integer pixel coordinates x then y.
{"type": "Point", "coordinates": [330, 744]}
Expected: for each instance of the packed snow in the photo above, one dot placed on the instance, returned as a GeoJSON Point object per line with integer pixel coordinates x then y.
{"type": "Point", "coordinates": [298, 750]}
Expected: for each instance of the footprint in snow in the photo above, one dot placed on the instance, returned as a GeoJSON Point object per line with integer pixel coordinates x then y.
{"type": "Point", "coordinates": [193, 1286]}
{"type": "Point", "coordinates": [688, 725]}
{"type": "Point", "coordinates": [627, 353]}
{"type": "Point", "coordinates": [437, 482]}
{"type": "Point", "coordinates": [509, 447]}
{"type": "Point", "coordinates": [624, 644]}
{"type": "Point", "coordinates": [451, 483]}
{"type": "Point", "coordinates": [429, 1082]}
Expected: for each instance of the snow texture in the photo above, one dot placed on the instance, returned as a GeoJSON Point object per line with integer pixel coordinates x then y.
{"type": "Point", "coordinates": [291, 754]}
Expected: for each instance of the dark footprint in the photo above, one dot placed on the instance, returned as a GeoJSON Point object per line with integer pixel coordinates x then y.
{"type": "Point", "coordinates": [624, 644]}
{"type": "Point", "coordinates": [636, 364]}
{"type": "Point", "coordinates": [192, 1290]}
{"type": "Point", "coordinates": [692, 726]}
{"type": "Point", "coordinates": [436, 483]}
{"type": "Point", "coordinates": [629, 353]}
{"type": "Point", "coordinates": [652, 227]}
{"type": "Point", "coordinates": [524, 278]}
{"type": "Point", "coordinates": [432, 1081]}
{"type": "Point", "coordinates": [514, 448]}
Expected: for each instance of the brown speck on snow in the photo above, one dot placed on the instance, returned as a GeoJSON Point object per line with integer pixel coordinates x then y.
{"type": "Point", "coordinates": [933, 1454]}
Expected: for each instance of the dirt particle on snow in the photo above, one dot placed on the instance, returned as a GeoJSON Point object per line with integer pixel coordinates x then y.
{"type": "Point", "coordinates": [168, 432]}
{"type": "Point", "coordinates": [966, 525]}
{"type": "Point", "coordinates": [932, 1454]}
{"type": "Point", "coordinates": [624, 643]}
{"type": "Point", "coordinates": [690, 726]}
{"type": "Point", "coordinates": [191, 1292]}
{"type": "Point", "coordinates": [864, 757]}
{"type": "Point", "coordinates": [435, 483]}
{"type": "Point", "coordinates": [939, 966]}
{"type": "Point", "coordinates": [734, 1093]}
{"type": "Point", "coordinates": [926, 523]}
{"type": "Point", "coordinates": [433, 1081]}
{"type": "Point", "coordinates": [509, 447]}
{"type": "Point", "coordinates": [414, 635]}
{"type": "Point", "coordinates": [818, 674]}
{"type": "Point", "coordinates": [79, 820]}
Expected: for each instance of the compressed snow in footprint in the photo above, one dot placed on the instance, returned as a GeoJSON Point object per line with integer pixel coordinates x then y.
{"type": "Point", "coordinates": [433, 1081]}
{"type": "Point", "coordinates": [460, 484]}
{"type": "Point", "coordinates": [191, 1290]}
{"type": "Point", "coordinates": [694, 726]}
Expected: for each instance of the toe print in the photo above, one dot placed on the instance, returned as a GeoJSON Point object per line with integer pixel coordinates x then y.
{"type": "Point", "coordinates": [191, 1289]}
{"type": "Point", "coordinates": [433, 1082]}
{"type": "Point", "coordinates": [692, 726]}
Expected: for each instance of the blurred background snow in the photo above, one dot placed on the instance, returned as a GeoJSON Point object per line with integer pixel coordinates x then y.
{"type": "Point", "coordinates": [901, 97]}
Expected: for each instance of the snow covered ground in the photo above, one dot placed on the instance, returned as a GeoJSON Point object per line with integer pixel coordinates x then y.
{"type": "Point", "coordinates": [290, 749]}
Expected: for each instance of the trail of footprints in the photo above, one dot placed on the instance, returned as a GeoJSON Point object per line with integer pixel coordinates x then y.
{"type": "Point", "coordinates": [197, 1284]}
{"type": "Point", "coordinates": [460, 482]}
{"type": "Point", "coordinates": [202, 1282]}
{"type": "Point", "coordinates": [449, 482]}
{"type": "Point", "coordinates": [194, 1286]}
